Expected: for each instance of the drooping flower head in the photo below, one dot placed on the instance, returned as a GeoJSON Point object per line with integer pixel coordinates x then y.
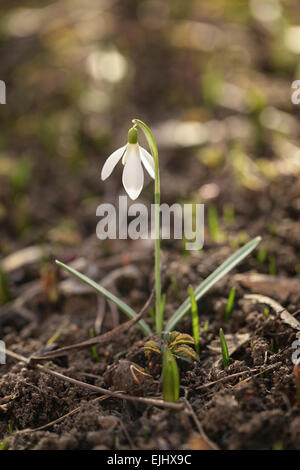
{"type": "Point", "coordinates": [132, 155]}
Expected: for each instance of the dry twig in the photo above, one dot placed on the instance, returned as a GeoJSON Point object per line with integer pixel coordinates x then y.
{"type": "Point", "coordinates": [101, 339]}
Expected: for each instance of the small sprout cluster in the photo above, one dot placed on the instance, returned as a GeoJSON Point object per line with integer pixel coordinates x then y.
{"type": "Point", "coordinates": [179, 344]}
{"type": "Point", "coordinates": [175, 345]}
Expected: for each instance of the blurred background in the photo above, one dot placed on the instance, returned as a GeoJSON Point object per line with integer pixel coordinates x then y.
{"type": "Point", "coordinates": [211, 78]}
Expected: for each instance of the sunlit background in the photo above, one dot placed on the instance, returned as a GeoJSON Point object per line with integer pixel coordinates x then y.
{"type": "Point", "coordinates": [211, 78]}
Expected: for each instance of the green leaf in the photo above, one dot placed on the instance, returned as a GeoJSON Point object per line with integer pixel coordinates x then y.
{"type": "Point", "coordinates": [225, 355]}
{"type": "Point", "coordinates": [211, 280]}
{"type": "Point", "coordinates": [170, 337]}
{"type": "Point", "coordinates": [170, 378]}
{"type": "Point", "coordinates": [151, 347]}
{"type": "Point", "coordinates": [185, 352]}
{"type": "Point", "coordinates": [108, 295]}
{"type": "Point", "coordinates": [181, 338]}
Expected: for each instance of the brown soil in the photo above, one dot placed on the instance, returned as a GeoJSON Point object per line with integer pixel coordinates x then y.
{"type": "Point", "coordinates": [256, 408]}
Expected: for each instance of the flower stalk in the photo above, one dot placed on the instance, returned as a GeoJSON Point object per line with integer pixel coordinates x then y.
{"type": "Point", "coordinates": [159, 313]}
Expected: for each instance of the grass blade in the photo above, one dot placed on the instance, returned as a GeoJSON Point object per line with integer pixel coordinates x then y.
{"type": "Point", "coordinates": [170, 378]}
{"type": "Point", "coordinates": [195, 319]}
{"type": "Point", "coordinates": [229, 305]}
{"type": "Point", "coordinates": [225, 355]}
{"type": "Point", "coordinates": [108, 295]}
{"type": "Point", "coordinates": [212, 279]}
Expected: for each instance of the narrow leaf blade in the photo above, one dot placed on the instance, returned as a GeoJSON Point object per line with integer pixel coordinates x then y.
{"type": "Point", "coordinates": [224, 348]}
{"type": "Point", "coordinates": [212, 279]}
{"type": "Point", "coordinates": [170, 378]}
{"type": "Point", "coordinates": [195, 318]}
{"type": "Point", "coordinates": [108, 295]}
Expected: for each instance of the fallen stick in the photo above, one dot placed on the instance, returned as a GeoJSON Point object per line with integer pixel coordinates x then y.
{"type": "Point", "coordinates": [94, 388]}
{"type": "Point", "coordinates": [210, 444]}
{"type": "Point", "coordinates": [285, 316]}
{"type": "Point", "coordinates": [261, 369]}
{"type": "Point", "coordinates": [101, 339]}
{"type": "Point", "coordinates": [272, 366]}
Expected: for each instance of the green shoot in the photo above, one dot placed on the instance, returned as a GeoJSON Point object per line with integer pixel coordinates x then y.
{"type": "Point", "coordinates": [94, 349]}
{"type": "Point", "coordinates": [3, 445]}
{"type": "Point", "coordinates": [174, 285]}
{"type": "Point", "coordinates": [225, 355]}
{"type": "Point", "coordinates": [205, 326]}
{"type": "Point", "coordinates": [262, 255]}
{"type": "Point", "coordinates": [278, 445]}
{"type": "Point", "coordinates": [228, 214]}
{"type": "Point", "coordinates": [163, 303]}
{"type": "Point", "coordinates": [266, 311]}
{"type": "Point", "coordinates": [272, 265]}
{"type": "Point", "coordinates": [5, 295]}
{"type": "Point", "coordinates": [152, 315]}
{"type": "Point", "coordinates": [108, 295]}
{"type": "Point", "coordinates": [10, 429]}
{"type": "Point", "coordinates": [212, 88]}
{"type": "Point", "coordinates": [230, 303]}
{"type": "Point", "coordinates": [21, 174]}
{"type": "Point", "coordinates": [242, 238]}
{"type": "Point", "coordinates": [213, 223]}
{"type": "Point", "coordinates": [57, 334]}
{"type": "Point", "coordinates": [170, 377]}
{"type": "Point", "coordinates": [211, 280]}
{"type": "Point", "coordinates": [272, 229]}
{"type": "Point", "coordinates": [195, 319]}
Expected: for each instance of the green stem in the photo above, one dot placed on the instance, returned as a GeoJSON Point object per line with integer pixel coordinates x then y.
{"type": "Point", "coordinates": [159, 314]}
{"type": "Point", "coordinates": [159, 311]}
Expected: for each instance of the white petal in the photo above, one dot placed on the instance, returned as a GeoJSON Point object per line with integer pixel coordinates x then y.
{"type": "Point", "coordinates": [111, 162]}
{"type": "Point", "coordinates": [133, 174]}
{"type": "Point", "coordinates": [148, 162]}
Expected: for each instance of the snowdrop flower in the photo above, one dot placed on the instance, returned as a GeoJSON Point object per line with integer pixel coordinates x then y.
{"type": "Point", "coordinates": [132, 155]}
